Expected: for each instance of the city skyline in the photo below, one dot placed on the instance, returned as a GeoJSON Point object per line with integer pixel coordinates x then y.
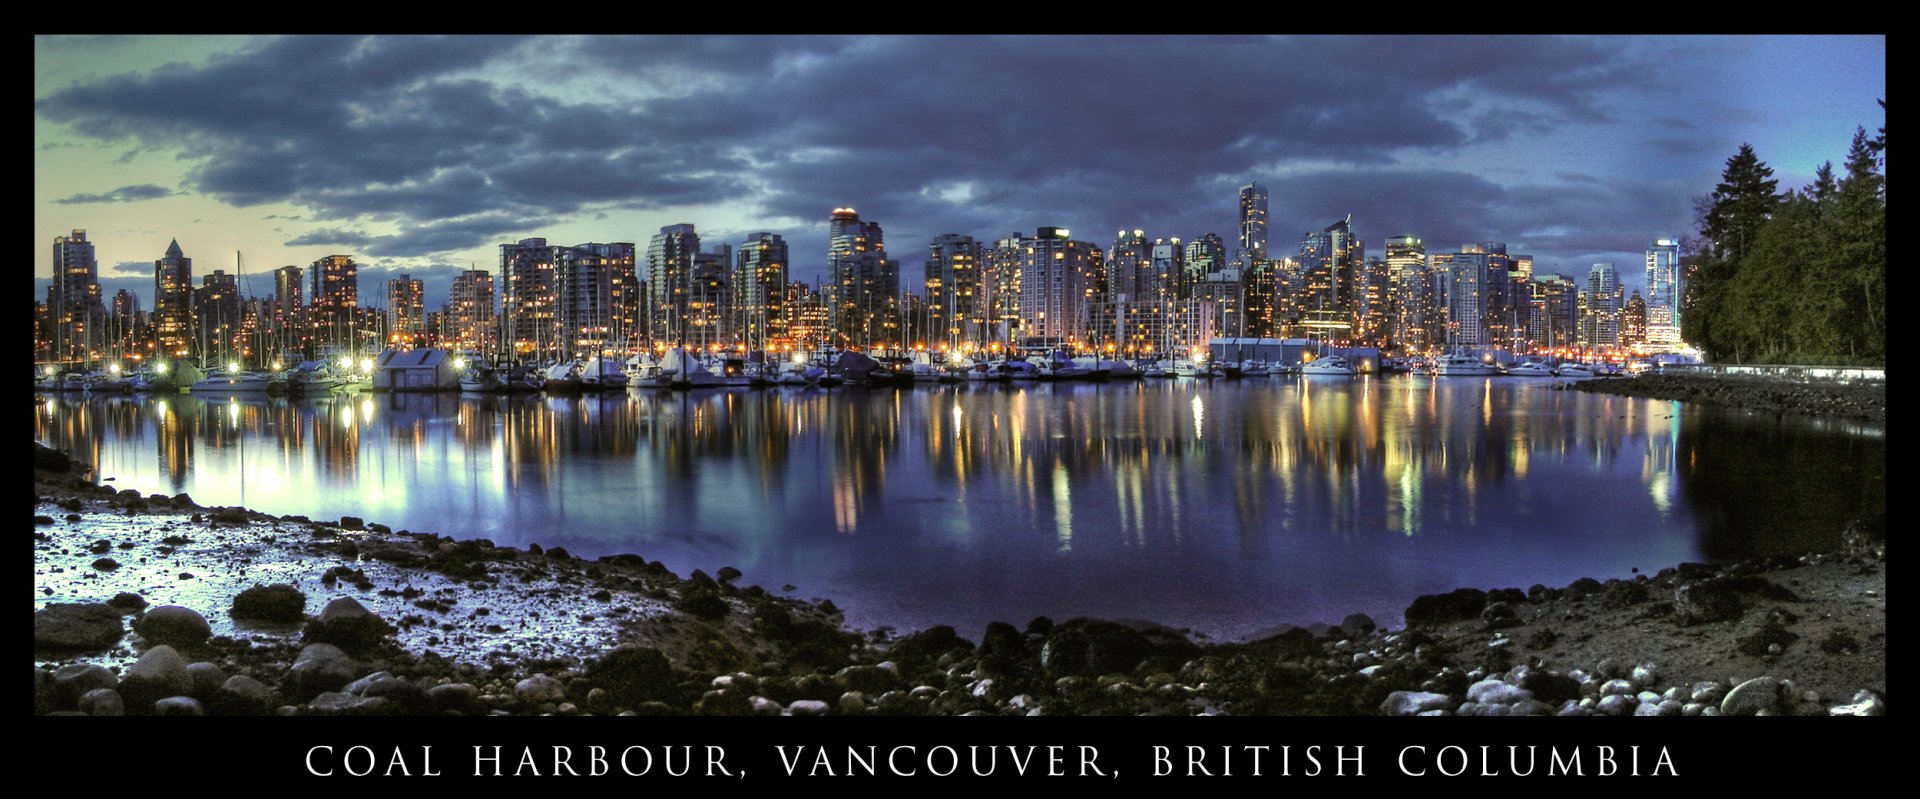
{"type": "Point", "coordinates": [405, 154]}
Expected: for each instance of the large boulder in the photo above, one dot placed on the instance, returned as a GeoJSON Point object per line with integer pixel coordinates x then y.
{"type": "Point", "coordinates": [349, 625]}
{"type": "Point", "coordinates": [1465, 603]}
{"type": "Point", "coordinates": [318, 667]}
{"type": "Point", "coordinates": [173, 625]}
{"type": "Point", "coordinates": [77, 627]}
{"type": "Point", "coordinates": [633, 674]}
{"type": "Point", "coordinates": [279, 602]}
{"type": "Point", "coordinates": [158, 674]}
{"type": "Point", "coordinates": [1090, 648]}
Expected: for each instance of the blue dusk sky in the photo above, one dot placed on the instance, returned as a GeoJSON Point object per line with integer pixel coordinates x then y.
{"type": "Point", "coordinates": [423, 154]}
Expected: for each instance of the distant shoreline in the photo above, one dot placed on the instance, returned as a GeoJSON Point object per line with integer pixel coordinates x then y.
{"type": "Point", "coordinates": [1860, 402]}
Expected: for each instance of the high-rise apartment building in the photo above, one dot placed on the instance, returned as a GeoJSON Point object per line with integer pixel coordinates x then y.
{"type": "Point", "coordinates": [173, 303]}
{"type": "Point", "coordinates": [1663, 293]}
{"type": "Point", "coordinates": [1059, 277]}
{"type": "Point", "coordinates": [468, 322]}
{"type": "Point", "coordinates": [1600, 320]}
{"type": "Point", "coordinates": [1633, 322]}
{"type": "Point", "coordinates": [760, 290]}
{"type": "Point", "coordinates": [288, 309]}
{"type": "Point", "coordinates": [953, 274]}
{"type": "Point", "coordinates": [530, 269]}
{"type": "Point", "coordinates": [335, 299]}
{"type": "Point", "coordinates": [865, 284]}
{"type": "Point", "coordinates": [1253, 222]}
{"type": "Point", "coordinates": [1330, 261]}
{"type": "Point", "coordinates": [218, 316]}
{"type": "Point", "coordinates": [73, 300]}
{"type": "Point", "coordinates": [406, 310]}
{"type": "Point", "coordinates": [594, 297]}
{"type": "Point", "coordinates": [670, 263]}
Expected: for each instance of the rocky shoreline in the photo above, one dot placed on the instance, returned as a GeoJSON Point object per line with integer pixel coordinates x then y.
{"type": "Point", "coordinates": [152, 605]}
{"type": "Point", "coordinates": [1860, 402]}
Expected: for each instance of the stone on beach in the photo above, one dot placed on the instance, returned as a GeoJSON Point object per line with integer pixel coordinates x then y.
{"type": "Point", "coordinates": [158, 674]}
{"type": "Point", "coordinates": [173, 625]}
{"type": "Point", "coordinates": [78, 627]}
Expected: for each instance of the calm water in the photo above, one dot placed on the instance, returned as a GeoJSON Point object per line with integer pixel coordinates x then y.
{"type": "Point", "coordinates": [1228, 507]}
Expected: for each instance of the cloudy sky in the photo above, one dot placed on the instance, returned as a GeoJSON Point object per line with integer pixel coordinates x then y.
{"type": "Point", "coordinates": [424, 154]}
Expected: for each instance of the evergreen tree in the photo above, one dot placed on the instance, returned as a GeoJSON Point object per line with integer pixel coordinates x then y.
{"type": "Point", "coordinates": [1860, 236]}
{"type": "Point", "coordinates": [1730, 220]}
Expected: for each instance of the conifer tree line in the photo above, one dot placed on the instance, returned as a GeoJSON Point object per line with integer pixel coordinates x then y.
{"type": "Point", "coordinates": [1798, 277]}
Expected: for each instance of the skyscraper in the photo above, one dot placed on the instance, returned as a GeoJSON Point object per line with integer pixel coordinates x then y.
{"type": "Point", "coordinates": [863, 293]}
{"type": "Point", "coordinates": [1663, 293]}
{"type": "Point", "coordinates": [406, 310]}
{"type": "Point", "coordinates": [1059, 277]}
{"type": "Point", "coordinates": [74, 300]}
{"type": "Point", "coordinates": [336, 298]}
{"type": "Point", "coordinates": [760, 289]}
{"type": "Point", "coordinates": [592, 296]}
{"type": "Point", "coordinates": [1203, 256]}
{"type": "Point", "coordinates": [1253, 222]}
{"type": "Point", "coordinates": [289, 308]}
{"type": "Point", "coordinates": [710, 322]}
{"type": "Point", "coordinates": [527, 300]}
{"type": "Point", "coordinates": [469, 317]}
{"type": "Point", "coordinates": [1633, 322]}
{"type": "Point", "coordinates": [173, 302]}
{"type": "Point", "coordinates": [670, 262]}
{"type": "Point", "coordinates": [953, 288]}
{"type": "Point", "coordinates": [1330, 262]}
{"type": "Point", "coordinates": [218, 316]}
{"type": "Point", "coordinates": [1600, 325]}
{"type": "Point", "coordinates": [1408, 309]}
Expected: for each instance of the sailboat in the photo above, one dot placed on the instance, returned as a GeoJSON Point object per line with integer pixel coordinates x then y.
{"type": "Point", "coordinates": [234, 379]}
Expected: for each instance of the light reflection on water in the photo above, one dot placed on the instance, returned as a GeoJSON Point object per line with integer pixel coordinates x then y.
{"type": "Point", "coordinates": [1229, 507]}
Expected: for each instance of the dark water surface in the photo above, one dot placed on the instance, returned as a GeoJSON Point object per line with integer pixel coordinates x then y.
{"type": "Point", "coordinates": [1228, 507]}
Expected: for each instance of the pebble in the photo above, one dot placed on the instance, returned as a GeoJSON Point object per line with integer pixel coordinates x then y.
{"type": "Point", "coordinates": [1408, 703]}
{"type": "Point", "coordinates": [854, 701]}
{"type": "Point", "coordinates": [1751, 697]}
{"type": "Point", "coordinates": [178, 706]}
{"type": "Point", "coordinates": [763, 706]}
{"type": "Point", "coordinates": [1496, 692]}
{"type": "Point", "coordinates": [1708, 692]}
{"type": "Point", "coordinates": [1865, 703]}
{"type": "Point", "coordinates": [1617, 687]}
{"type": "Point", "coordinates": [1615, 705]}
{"type": "Point", "coordinates": [808, 707]}
{"type": "Point", "coordinates": [539, 689]}
{"type": "Point", "coordinates": [1645, 675]}
{"type": "Point", "coordinates": [453, 696]}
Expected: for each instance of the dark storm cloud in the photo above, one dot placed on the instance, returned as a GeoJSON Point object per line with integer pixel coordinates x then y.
{"type": "Point", "coordinates": [926, 134]}
{"type": "Point", "coordinates": [133, 268]}
{"type": "Point", "coordinates": [1686, 147]}
{"type": "Point", "coordinates": [124, 194]}
{"type": "Point", "coordinates": [431, 237]}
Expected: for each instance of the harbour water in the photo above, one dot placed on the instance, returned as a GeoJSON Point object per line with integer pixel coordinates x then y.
{"type": "Point", "coordinates": [1228, 507]}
